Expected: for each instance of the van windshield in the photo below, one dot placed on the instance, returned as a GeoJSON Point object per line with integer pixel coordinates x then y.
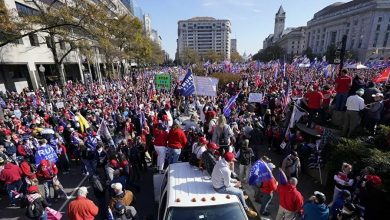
{"type": "Point", "coordinates": [229, 211]}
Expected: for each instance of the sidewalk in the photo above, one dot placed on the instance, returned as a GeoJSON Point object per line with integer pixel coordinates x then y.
{"type": "Point", "coordinates": [306, 185]}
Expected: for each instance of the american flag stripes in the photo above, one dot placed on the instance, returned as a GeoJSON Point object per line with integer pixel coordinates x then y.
{"type": "Point", "coordinates": [286, 97]}
{"type": "Point", "coordinates": [228, 108]}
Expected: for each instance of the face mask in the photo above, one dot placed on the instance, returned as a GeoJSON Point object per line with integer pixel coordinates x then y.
{"type": "Point", "coordinates": [99, 150]}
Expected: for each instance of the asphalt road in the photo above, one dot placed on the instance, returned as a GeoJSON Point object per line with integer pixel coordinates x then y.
{"type": "Point", "coordinates": [144, 205]}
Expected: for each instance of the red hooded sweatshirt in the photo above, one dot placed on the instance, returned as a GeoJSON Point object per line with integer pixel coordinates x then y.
{"type": "Point", "coordinates": [11, 173]}
{"type": "Point", "coordinates": [160, 137]}
{"type": "Point", "coordinates": [47, 170]}
{"type": "Point", "coordinates": [290, 198]}
{"type": "Point", "coordinates": [176, 138]}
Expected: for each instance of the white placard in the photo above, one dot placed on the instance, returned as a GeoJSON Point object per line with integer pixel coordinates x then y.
{"type": "Point", "coordinates": [30, 94]}
{"type": "Point", "coordinates": [60, 105]}
{"type": "Point", "coordinates": [20, 86]}
{"type": "Point", "coordinates": [204, 86]}
{"type": "Point", "coordinates": [2, 88]}
{"type": "Point", "coordinates": [255, 97]}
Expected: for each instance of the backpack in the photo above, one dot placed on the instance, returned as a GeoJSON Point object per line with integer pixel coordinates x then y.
{"type": "Point", "coordinates": [221, 138]}
{"type": "Point", "coordinates": [34, 209]}
{"type": "Point", "coordinates": [245, 157]}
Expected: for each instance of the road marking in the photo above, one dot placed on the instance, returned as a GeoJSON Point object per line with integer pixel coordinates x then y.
{"type": "Point", "coordinates": [72, 194]}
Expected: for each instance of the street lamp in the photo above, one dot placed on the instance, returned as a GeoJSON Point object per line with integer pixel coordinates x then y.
{"type": "Point", "coordinates": [42, 71]}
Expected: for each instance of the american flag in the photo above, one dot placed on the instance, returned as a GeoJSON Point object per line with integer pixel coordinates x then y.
{"type": "Point", "coordinates": [286, 97]}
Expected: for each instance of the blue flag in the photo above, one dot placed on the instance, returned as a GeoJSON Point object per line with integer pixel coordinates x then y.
{"type": "Point", "coordinates": [259, 173]}
{"type": "Point", "coordinates": [45, 152]}
{"type": "Point", "coordinates": [227, 109]}
{"type": "Point", "coordinates": [187, 86]}
{"type": "Point", "coordinates": [2, 103]}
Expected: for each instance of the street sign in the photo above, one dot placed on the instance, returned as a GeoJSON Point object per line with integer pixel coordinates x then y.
{"type": "Point", "coordinates": [163, 81]}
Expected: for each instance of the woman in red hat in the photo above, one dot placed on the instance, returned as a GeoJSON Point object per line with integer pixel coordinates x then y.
{"type": "Point", "coordinates": [35, 204]}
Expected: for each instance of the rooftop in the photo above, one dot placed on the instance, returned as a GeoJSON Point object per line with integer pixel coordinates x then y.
{"type": "Point", "coordinates": [188, 182]}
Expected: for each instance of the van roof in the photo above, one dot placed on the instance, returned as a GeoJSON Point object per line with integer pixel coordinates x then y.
{"type": "Point", "coordinates": [186, 183]}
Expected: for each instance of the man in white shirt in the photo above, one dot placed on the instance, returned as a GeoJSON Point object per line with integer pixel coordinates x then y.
{"type": "Point", "coordinates": [222, 182]}
{"type": "Point", "coordinates": [355, 104]}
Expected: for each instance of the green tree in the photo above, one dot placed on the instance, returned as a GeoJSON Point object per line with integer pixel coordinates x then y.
{"type": "Point", "coordinates": [189, 56]}
{"type": "Point", "coordinates": [212, 56]}
{"type": "Point", "coordinates": [270, 53]}
{"type": "Point", "coordinates": [309, 53]}
{"type": "Point", "coordinates": [331, 53]}
{"type": "Point", "coordinates": [236, 57]}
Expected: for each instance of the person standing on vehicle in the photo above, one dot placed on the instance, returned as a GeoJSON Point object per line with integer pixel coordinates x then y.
{"type": "Point", "coordinates": [222, 182]}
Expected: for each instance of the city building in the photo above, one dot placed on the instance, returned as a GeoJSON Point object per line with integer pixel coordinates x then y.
{"type": "Point", "coordinates": [233, 45]}
{"type": "Point", "coordinates": [204, 34]}
{"type": "Point", "coordinates": [155, 37]}
{"type": "Point", "coordinates": [293, 40]}
{"type": "Point", "coordinates": [147, 20]}
{"type": "Point", "coordinates": [280, 19]}
{"type": "Point", "coordinates": [366, 23]}
{"type": "Point", "coordinates": [20, 61]}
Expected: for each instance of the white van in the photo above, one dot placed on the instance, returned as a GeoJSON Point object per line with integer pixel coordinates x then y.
{"type": "Point", "coordinates": [186, 193]}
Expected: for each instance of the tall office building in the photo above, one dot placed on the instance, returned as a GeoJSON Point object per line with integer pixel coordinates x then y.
{"type": "Point", "coordinates": [233, 45]}
{"type": "Point", "coordinates": [204, 34]}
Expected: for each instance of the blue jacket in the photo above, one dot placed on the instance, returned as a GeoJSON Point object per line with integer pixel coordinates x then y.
{"type": "Point", "coordinates": [313, 211]}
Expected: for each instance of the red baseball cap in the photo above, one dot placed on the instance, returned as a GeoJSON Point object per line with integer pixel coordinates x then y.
{"type": "Point", "coordinates": [229, 157]}
{"type": "Point", "coordinates": [32, 189]}
{"type": "Point", "coordinates": [212, 145]}
{"type": "Point", "coordinates": [202, 140]}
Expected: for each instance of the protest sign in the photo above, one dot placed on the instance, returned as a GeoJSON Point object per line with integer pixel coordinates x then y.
{"type": "Point", "coordinates": [163, 81]}
{"type": "Point", "coordinates": [205, 86]}
{"type": "Point", "coordinates": [45, 153]}
{"type": "Point", "coordinates": [255, 97]}
{"type": "Point", "coordinates": [60, 105]}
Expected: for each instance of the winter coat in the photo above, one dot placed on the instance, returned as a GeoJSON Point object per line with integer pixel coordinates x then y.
{"type": "Point", "coordinates": [160, 137]}
{"type": "Point", "coordinates": [176, 138]}
{"type": "Point", "coordinates": [11, 173]}
{"type": "Point", "coordinates": [314, 211]}
{"type": "Point", "coordinates": [269, 186]}
{"type": "Point", "coordinates": [82, 209]}
{"type": "Point", "coordinates": [126, 198]}
{"type": "Point", "coordinates": [290, 198]}
{"type": "Point", "coordinates": [47, 170]}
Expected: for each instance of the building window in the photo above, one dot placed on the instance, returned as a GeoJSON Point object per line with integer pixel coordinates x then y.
{"type": "Point", "coordinates": [386, 39]}
{"type": "Point", "coordinates": [360, 43]}
{"type": "Point", "coordinates": [355, 22]}
{"type": "Point", "coordinates": [375, 40]}
{"type": "Point", "coordinates": [48, 42]}
{"type": "Point", "coordinates": [62, 45]}
{"type": "Point", "coordinates": [333, 37]}
{"type": "Point", "coordinates": [33, 40]}
{"type": "Point", "coordinates": [380, 19]}
{"type": "Point", "coordinates": [24, 10]}
{"type": "Point", "coordinates": [388, 27]}
{"type": "Point", "coordinates": [378, 27]}
{"type": "Point", "coordinates": [348, 24]}
{"type": "Point", "coordinates": [292, 42]}
{"type": "Point", "coordinates": [352, 43]}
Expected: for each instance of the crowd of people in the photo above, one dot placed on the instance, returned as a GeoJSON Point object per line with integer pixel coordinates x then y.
{"type": "Point", "coordinates": [119, 129]}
